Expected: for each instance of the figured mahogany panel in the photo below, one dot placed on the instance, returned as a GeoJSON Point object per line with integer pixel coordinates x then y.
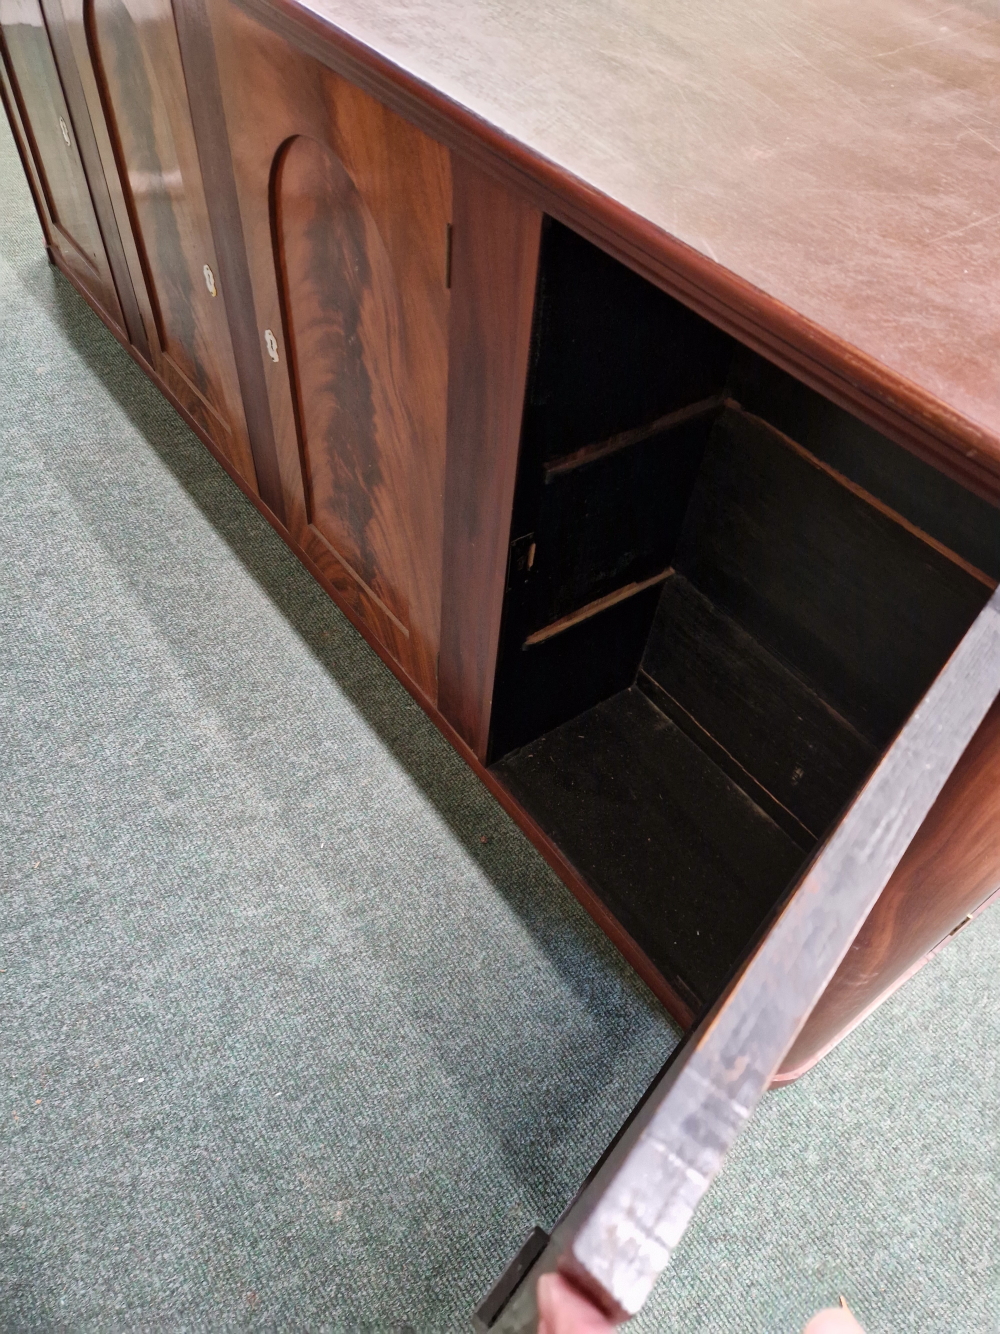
{"type": "Point", "coordinates": [949, 870]}
{"type": "Point", "coordinates": [343, 324]}
{"type": "Point", "coordinates": [138, 71]}
{"type": "Point", "coordinates": [346, 210]}
{"type": "Point", "coordinates": [50, 136]}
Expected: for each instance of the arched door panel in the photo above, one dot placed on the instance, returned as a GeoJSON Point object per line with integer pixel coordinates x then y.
{"type": "Point", "coordinates": [343, 326]}
{"type": "Point", "coordinates": [346, 212]}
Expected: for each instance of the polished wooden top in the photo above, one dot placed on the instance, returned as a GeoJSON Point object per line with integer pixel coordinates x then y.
{"type": "Point", "coordinates": [840, 156]}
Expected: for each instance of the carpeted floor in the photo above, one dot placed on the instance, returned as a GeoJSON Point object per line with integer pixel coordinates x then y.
{"type": "Point", "coordinates": [283, 1042]}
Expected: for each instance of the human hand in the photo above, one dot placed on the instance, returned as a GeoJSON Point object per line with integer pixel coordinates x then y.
{"type": "Point", "coordinates": [562, 1309]}
{"type": "Point", "coordinates": [835, 1320]}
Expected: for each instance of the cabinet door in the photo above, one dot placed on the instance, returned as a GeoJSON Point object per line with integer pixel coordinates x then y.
{"type": "Point", "coordinates": [346, 213]}
{"type": "Point", "coordinates": [136, 64]}
{"type": "Point", "coordinates": [50, 141]}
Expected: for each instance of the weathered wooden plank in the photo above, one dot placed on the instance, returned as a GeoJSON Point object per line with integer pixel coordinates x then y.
{"type": "Point", "coordinates": [758, 720]}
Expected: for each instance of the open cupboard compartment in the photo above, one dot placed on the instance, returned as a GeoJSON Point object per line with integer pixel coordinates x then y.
{"type": "Point", "coordinates": [725, 596]}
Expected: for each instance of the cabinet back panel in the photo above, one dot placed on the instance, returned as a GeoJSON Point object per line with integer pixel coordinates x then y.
{"type": "Point", "coordinates": [610, 351]}
{"type": "Point", "coordinates": [962, 521]}
{"type": "Point", "coordinates": [858, 605]}
{"type": "Point", "coordinates": [759, 721]}
{"type": "Point", "coordinates": [612, 522]}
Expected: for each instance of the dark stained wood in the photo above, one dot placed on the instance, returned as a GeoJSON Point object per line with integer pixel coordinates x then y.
{"type": "Point", "coordinates": [756, 719]}
{"type": "Point", "coordinates": [620, 1232]}
{"type": "Point", "coordinates": [949, 870]}
{"type": "Point", "coordinates": [197, 48]}
{"type": "Point", "coordinates": [961, 521]}
{"type": "Point", "coordinates": [858, 604]}
{"type": "Point", "coordinates": [680, 855]}
{"type": "Point", "coordinates": [612, 354]}
{"type": "Point", "coordinates": [356, 304]}
{"type": "Point", "coordinates": [595, 608]}
{"type": "Point", "coordinates": [835, 338]}
{"type": "Point", "coordinates": [544, 684]}
{"type": "Point", "coordinates": [608, 524]}
{"type": "Point", "coordinates": [138, 71]}
{"type": "Point", "coordinates": [615, 362]}
{"type": "Point", "coordinates": [50, 139]}
{"type": "Point", "coordinates": [494, 259]}
{"type": "Point", "coordinates": [114, 239]}
{"type": "Point", "coordinates": [637, 435]}
{"type": "Point", "coordinates": [21, 143]}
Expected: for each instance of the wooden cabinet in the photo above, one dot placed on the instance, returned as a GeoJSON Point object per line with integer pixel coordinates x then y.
{"type": "Point", "coordinates": [346, 212]}
{"type": "Point", "coordinates": [47, 132]}
{"type": "Point", "coordinates": [705, 593]}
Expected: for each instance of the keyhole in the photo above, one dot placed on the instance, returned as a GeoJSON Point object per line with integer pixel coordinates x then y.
{"type": "Point", "coordinates": [271, 343]}
{"type": "Point", "coordinates": [64, 128]}
{"type": "Point", "coordinates": [209, 279]}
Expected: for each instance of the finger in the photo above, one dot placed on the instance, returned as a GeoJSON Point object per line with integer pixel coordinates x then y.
{"type": "Point", "coordinates": [836, 1320]}
{"type": "Point", "coordinates": [564, 1310]}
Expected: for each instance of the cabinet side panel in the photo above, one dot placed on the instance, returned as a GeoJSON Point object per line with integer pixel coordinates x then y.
{"type": "Point", "coordinates": [494, 266]}
{"type": "Point", "coordinates": [950, 868]}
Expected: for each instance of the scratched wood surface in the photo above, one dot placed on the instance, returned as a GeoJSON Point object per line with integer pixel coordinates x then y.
{"type": "Point", "coordinates": [50, 138]}
{"type": "Point", "coordinates": [948, 871]}
{"type": "Point", "coordinates": [819, 177]}
{"type": "Point", "coordinates": [136, 66]}
{"type": "Point", "coordinates": [345, 210]}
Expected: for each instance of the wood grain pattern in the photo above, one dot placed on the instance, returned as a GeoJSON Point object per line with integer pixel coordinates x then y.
{"type": "Point", "coordinates": [619, 1234]}
{"type": "Point", "coordinates": [759, 721]}
{"type": "Point", "coordinates": [136, 62]}
{"type": "Point", "coordinates": [343, 322]}
{"type": "Point", "coordinates": [345, 210]}
{"type": "Point", "coordinates": [197, 48]}
{"type": "Point", "coordinates": [949, 870]}
{"type": "Point", "coordinates": [860, 605]}
{"type": "Point", "coordinates": [494, 271]}
{"type": "Point", "coordinates": [50, 137]}
{"type": "Point", "coordinates": [628, 191]}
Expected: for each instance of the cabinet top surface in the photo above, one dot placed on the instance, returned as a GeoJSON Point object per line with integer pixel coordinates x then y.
{"type": "Point", "coordinates": [842, 156]}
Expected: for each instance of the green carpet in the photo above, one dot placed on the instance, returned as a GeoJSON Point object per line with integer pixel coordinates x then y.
{"type": "Point", "coordinates": [296, 1030]}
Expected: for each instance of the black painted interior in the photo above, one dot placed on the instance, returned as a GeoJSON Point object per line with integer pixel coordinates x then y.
{"type": "Point", "coordinates": [788, 584]}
